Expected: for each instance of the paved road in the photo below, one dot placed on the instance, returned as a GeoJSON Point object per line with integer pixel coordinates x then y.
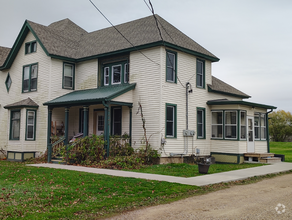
{"type": "Point", "coordinates": [253, 201]}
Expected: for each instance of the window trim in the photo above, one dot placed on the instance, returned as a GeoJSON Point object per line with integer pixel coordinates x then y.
{"type": "Point", "coordinates": [34, 125]}
{"type": "Point", "coordinates": [121, 74]}
{"type": "Point", "coordinates": [104, 76]}
{"type": "Point", "coordinates": [203, 74]}
{"type": "Point", "coordinates": [73, 76]}
{"type": "Point", "coordinates": [30, 44]}
{"type": "Point", "coordinates": [218, 138]}
{"type": "Point", "coordinates": [260, 138]}
{"type": "Point", "coordinates": [203, 122]}
{"type": "Point", "coordinates": [236, 125]}
{"type": "Point", "coordinates": [174, 120]}
{"type": "Point", "coordinates": [110, 68]}
{"type": "Point", "coordinates": [29, 82]}
{"type": "Point", "coordinates": [8, 77]}
{"type": "Point", "coordinates": [126, 73]}
{"type": "Point", "coordinates": [175, 66]}
{"type": "Point", "coordinates": [10, 130]}
{"type": "Point", "coordinates": [239, 122]}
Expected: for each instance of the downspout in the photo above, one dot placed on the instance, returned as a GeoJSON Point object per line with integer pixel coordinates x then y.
{"type": "Point", "coordinates": [267, 130]}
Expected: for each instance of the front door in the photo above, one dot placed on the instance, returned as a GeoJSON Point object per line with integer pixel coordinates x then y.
{"type": "Point", "coordinates": [250, 132]}
{"type": "Point", "coordinates": [99, 122]}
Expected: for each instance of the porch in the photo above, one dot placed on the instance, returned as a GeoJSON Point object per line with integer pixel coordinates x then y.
{"type": "Point", "coordinates": [92, 111]}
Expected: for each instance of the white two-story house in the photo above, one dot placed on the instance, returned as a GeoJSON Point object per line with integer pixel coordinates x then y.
{"type": "Point", "coordinates": [60, 78]}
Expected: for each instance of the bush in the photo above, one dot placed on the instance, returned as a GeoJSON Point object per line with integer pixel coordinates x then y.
{"type": "Point", "coordinates": [120, 146]}
{"type": "Point", "coordinates": [85, 150]}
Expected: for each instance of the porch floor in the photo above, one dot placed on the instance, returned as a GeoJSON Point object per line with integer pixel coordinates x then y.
{"type": "Point", "coordinates": [261, 158]}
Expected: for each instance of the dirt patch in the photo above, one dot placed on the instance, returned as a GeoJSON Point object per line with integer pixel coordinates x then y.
{"type": "Point", "coordinates": [253, 201]}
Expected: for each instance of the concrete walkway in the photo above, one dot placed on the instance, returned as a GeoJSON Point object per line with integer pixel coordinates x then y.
{"type": "Point", "coordinates": [196, 181]}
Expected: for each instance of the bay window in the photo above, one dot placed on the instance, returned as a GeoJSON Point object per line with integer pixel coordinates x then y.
{"type": "Point", "coordinates": [217, 124]}
{"type": "Point", "coordinates": [230, 124]}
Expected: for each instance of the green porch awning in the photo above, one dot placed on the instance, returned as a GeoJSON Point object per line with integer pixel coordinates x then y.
{"type": "Point", "coordinates": [90, 96]}
{"type": "Point", "coordinates": [228, 102]}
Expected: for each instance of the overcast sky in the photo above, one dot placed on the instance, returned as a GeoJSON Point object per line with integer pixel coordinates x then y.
{"type": "Point", "coordinates": [252, 38]}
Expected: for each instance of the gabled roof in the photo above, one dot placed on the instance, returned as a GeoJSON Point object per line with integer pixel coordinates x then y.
{"type": "Point", "coordinates": [91, 96]}
{"type": "Point", "coordinates": [66, 40]}
{"type": "Point", "coordinates": [218, 86]}
{"type": "Point", "coordinates": [23, 104]}
{"type": "Point", "coordinates": [228, 102]}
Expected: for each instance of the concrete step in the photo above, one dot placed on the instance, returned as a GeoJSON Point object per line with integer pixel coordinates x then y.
{"type": "Point", "coordinates": [270, 160]}
{"type": "Point", "coordinates": [58, 160]}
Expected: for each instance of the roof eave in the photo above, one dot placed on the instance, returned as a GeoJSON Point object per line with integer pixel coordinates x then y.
{"type": "Point", "coordinates": [227, 93]}
{"type": "Point", "coordinates": [251, 104]}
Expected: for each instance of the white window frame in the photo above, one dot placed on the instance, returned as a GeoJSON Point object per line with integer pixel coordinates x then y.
{"type": "Point", "coordinates": [230, 124]}
{"type": "Point", "coordinates": [257, 127]}
{"type": "Point", "coordinates": [121, 71]}
{"type": "Point", "coordinates": [217, 125]}
{"type": "Point", "coordinates": [263, 127]}
{"type": "Point", "coordinates": [72, 76]}
{"type": "Point", "coordinates": [126, 73]}
{"type": "Point", "coordinates": [31, 125]}
{"type": "Point", "coordinates": [243, 127]}
{"type": "Point", "coordinates": [106, 73]}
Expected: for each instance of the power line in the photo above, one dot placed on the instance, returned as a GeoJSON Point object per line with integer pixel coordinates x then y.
{"type": "Point", "coordinates": [121, 33]}
{"type": "Point", "coordinates": [156, 21]}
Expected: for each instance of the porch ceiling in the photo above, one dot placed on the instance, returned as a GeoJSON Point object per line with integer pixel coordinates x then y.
{"type": "Point", "coordinates": [90, 96]}
{"type": "Point", "coordinates": [228, 102]}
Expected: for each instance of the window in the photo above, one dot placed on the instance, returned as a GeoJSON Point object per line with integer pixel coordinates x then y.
{"type": "Point", "coordinates": [30, 125]}
{"type": "Point", "coordinates": [242, 125]}
{"type": "Point", "coordinates": [68, 76]}
{"type": "Point", "coordinates": [116, 73]}
{"type": "Point", "coordinates": [201, 123]}
{"type": "Point", "coordinates": [30, 75]}
{"type": "Point", "coordinates": [8, 82]}
{"type": "Point", "coordinates": [170, 121]}
{"type": "Point", "coordinates": [117, 121]}
{"type": "Point", "coordinates": [260, 126]}
{"type": "Point", "coordinates": [30, 47]}
{"type": "Point", "coordinates": [126, 73]}
{"type": "Point", "coordinates": [15, 125]}
{"type": "Point", "coordinates": [200, 74]}
{"type": "Point", "coordinates": [217, 124]}
{"type": "Point", "coordinates": [106, 76]}
{"type": "Point", "coordinates": [230, 124]}
{"type": "Point", "coordinates": [257, 126]}
{"type": "Point", "coordinates": [170, 67]}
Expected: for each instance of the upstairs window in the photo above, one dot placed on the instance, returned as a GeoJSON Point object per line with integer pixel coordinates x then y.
{"type": "Point", "coordinates": [116, 73]}
{"type": "Point", "coordinates": [170, 67]}
{"type": "Point", "coordinates": [8, 82]}
{"type": "Point", "coordinates": [200, 74]}
{"type": "Point", "coordinates": [30, 75]}
{"type": "Point", "coordinates": [68, 76]}
{"type": "Point", "coordinates": [30, 47]}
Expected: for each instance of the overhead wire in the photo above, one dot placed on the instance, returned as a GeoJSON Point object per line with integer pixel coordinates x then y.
{"type": "Point", "coordinates": [122, 34]}
{"type": "Point", "coordinates": [156, 21]}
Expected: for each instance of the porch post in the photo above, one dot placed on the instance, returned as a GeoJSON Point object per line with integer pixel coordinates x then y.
{"type": "Point", "coordinates": [85, 121]}
{"type": "Point", "coordinates": [66, 125]}
{"type": "Point", "coordinates": [130, 125]}
{"type": "Point", "coordinates": [106, 128]}
{"type": "Point", "coordinates": [108, 131]}
{"type": "Point", "coordinates": [49, 144]}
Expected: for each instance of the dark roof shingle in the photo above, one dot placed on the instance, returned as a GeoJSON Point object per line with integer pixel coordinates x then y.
{"type": "Point", "coordinates": [23, 103]}
{"type": "Point", "coordinates": [4, 51]}
{"type": "Point", "coordinates": [222, 87]}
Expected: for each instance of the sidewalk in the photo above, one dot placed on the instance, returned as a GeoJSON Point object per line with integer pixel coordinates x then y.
{"type": "Point", "coordinates": [196, 181]}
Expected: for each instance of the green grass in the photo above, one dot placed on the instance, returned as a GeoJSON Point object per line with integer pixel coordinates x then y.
{"type": "Point", "coordinates": [282, 148]}
{"type": "Point", "coordinates": [189, 170]}
{"type": "Point", "coordinates": [44, 193]}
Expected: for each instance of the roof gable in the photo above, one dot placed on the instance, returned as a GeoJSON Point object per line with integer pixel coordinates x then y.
{"type": "Point", "coordinates": [4, 51]}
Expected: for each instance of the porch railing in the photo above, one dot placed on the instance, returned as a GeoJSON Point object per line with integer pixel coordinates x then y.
{"type": "Point", "coordinates": [57, 145]}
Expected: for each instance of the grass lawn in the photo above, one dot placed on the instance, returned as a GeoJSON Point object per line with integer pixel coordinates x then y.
{"type": "Point", "coordinates": [282, 148]}
{"type": "Point", "coordinates": [189, 170]}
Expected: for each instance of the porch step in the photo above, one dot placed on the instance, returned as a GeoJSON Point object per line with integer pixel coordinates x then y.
{"type": "Point", "coordinates": [270, 160]}
{"type": "Point", "coordinates": [58, 160]}
{"type": "Point", "coordinates": [259, 155]}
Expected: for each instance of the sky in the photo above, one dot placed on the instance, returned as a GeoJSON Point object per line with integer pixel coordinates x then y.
{"type": "Point", "coordinates": [252, 38]}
